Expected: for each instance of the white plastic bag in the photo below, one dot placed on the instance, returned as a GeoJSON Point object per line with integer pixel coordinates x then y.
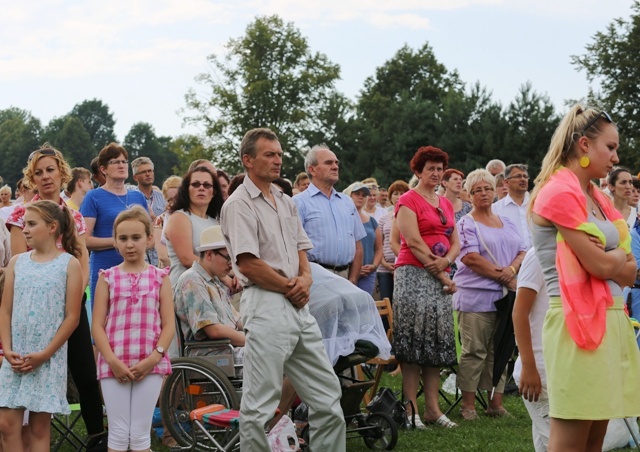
{"type": "Point", "coordinates": [449, 385]}
{"type": "Point", "coordinates": [282, 437]}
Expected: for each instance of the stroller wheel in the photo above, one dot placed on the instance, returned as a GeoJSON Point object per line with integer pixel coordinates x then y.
{"type": "Point", "coordinates": [383, 433]}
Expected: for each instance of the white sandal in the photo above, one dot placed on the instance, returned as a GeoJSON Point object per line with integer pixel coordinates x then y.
{"type": "Point", "coordinates": [417, 423]}
{"type": "Point", "coordinates": [443, 421]}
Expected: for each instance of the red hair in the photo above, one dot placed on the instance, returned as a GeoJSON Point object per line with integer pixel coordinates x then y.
{"type": "Point", "coordinates": [450, 172]}
{"type": "Point", "coordinates": [428, 154]}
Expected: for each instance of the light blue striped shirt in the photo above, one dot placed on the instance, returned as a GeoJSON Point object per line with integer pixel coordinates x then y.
{"type": "Point", "coordinates": [333, 225]}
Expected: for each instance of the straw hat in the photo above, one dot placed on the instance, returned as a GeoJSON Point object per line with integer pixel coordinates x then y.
{"type": "Point", "coordinates": [211, 239]}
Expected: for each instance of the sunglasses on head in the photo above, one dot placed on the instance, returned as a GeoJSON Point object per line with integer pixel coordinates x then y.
{"type": "Point", "coordinates": [602, 114]}
{"type": "Point", "coordinates": [41, 152]}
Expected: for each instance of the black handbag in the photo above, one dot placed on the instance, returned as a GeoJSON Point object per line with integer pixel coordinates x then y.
{"type": "Point", "coordinates": [386, 401]}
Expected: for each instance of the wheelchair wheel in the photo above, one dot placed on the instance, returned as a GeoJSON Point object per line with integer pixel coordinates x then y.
{"type": "Point", "coordinates": [383, 434]}
{"type": "Point", "coordinates": [195, 383]}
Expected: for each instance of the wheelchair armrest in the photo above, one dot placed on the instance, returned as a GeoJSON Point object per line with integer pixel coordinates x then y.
{"type": "Point", "coordinates": [208, 343]}
{"type": "Point", "coordinates": [217, 346]}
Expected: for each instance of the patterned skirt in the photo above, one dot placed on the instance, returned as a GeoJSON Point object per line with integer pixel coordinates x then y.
{"type": "Point", "coordinates": [422, 319]}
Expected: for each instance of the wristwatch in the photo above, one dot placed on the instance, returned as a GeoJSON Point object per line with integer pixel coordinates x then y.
{"type": "Point", "coordinates": [160, 350]}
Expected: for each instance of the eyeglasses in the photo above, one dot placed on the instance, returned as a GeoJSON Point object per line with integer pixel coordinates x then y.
{"type": "Point", "coordinates": [149, 171]}
{"type": "Point", "coordinates": [225, 256]}
{"type": "Point", "coordinates": [443, 218]}
{"type": "Point", "coordinates": [518, 176]}
{"type": "Point", "coordinates": [482, 190]}
{"type": "Point", "coordinates": [45, 151]}
{"type": "Point", "coordinates": [206, 185]}
{"type": "Point", "coordinates": [118, 162]}
{"type": "Point", "coordinates": [602, 114]}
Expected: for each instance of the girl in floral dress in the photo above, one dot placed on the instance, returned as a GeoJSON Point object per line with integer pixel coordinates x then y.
{"type": "Point", "coordinates": [40, 309]}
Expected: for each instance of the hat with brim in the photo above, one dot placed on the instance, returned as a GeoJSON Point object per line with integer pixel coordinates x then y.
{"type": "Point", "coordinates": [211, 239]}
{"type": "Point", "coordinates": [357, 186]}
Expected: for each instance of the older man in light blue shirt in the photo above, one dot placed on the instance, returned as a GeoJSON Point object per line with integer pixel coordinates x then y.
{"type": "Point", "coordinates": [329, 218]}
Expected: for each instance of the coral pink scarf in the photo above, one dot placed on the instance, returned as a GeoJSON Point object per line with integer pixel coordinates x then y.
{"type": "Point", "coordinates": [584, 298]}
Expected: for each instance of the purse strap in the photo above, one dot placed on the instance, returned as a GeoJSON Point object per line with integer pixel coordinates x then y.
{"type": "Point", "coordinates": [495, 261]}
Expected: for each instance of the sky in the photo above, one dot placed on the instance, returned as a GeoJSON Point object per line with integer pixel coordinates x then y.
{"type": "Point", "coordinates": [140, 57]}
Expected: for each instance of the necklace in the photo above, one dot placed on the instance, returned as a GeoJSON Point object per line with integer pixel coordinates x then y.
{"type": "Point", "coordinates": [125, 203]}
{"type": "Point", "coordinates": [594, 204]}
{"type": "Point", "coordinates": [419, 190]}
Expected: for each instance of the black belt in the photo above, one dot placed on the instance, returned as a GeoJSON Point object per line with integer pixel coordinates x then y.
{"type": "Point", "coordinates": [335, 268]}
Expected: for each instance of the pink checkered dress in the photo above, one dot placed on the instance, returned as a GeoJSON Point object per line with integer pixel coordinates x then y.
{"type": "Point", "coordinates": [133, 320]}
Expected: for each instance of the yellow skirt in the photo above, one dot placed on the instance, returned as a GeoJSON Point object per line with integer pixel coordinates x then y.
{"type": "Point", "coordinates": [592, 384]}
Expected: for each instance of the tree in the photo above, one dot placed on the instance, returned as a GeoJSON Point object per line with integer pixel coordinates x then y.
{"type": "Point", "coordinates": [141, 141]}
{"type": "Point", "coordinates": [68, 135]}
{"type": "Point", "coordinates": [411, 101]}
{"type": "Point", "coordinates": [20, 135]}
{"type": "Point", "coordinates": [268, 78]}
{"type": "Point", "coordinates": [611, 64]}
{"type": "Point", "coordinates": [187, 148]}
{"type": "Point", "coordinates": [532, 120]}
{"type": "Point", "coordinates": [97, 120]}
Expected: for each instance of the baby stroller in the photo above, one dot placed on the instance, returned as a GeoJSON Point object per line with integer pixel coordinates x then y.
{"type": "Point", "coordinates": [378, 430]}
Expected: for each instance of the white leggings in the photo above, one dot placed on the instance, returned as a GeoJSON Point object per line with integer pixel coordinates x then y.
{"type": "Point", "coordinates": [130, 411]}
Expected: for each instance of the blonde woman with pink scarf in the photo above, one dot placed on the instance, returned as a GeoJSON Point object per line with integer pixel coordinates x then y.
{"type": "Point", "coordinates": [583, 245]}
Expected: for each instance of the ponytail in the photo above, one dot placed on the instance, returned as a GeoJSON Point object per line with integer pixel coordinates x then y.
{"type": "Point", "coordinates": [68, 235]}
{"type": "Point", "coordinates": [61, 214]}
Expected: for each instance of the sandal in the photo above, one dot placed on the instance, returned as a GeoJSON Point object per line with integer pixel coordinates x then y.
{"type": "Point", "coordinates": [443, 421]}
{"type": "Point", "coordinates": [416, 423]}
{"type": "Point", "coordinates": [497, 412]}
{"type": "Point", "coordinates": [468, 415]}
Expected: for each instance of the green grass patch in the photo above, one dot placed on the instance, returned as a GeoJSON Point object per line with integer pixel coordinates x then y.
{"type": "Point", "coordinates": [485, 434]}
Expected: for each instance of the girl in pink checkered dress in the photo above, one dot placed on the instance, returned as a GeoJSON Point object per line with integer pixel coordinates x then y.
{"type": "Point", "coordinates": [133, 325]}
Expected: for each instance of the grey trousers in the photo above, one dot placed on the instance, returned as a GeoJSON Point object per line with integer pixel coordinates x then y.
{"type": "Point", "coordinates": [283, 340]}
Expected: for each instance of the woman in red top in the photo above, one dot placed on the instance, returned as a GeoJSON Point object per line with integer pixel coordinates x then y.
{"type": "Point", "coordinates": [422, 292]}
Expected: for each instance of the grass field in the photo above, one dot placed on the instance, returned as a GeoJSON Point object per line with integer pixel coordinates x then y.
{"type": "Point", "coordinates": [486, 434]}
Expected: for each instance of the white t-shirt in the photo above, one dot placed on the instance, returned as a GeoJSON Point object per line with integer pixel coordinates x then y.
{"type": "Point", "coordinates": [531, 277]}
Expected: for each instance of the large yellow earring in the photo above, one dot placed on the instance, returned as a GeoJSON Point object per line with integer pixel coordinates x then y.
{"type": "Point", "coordinates": [585, 161]}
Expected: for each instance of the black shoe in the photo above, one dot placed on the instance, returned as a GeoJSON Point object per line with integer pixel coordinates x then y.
{"type": "Point", "coordinates": [98, 443]}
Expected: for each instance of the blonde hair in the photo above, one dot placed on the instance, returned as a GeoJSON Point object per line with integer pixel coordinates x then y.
{"type": "Point", "coordinates": [63, 166]}
{"type": "Point", "coordinates": [170, 182]}
{"type": "Point", "coordinates": [5, 188]}
{"type": "Point", "coordinates": [562, 148]}
{"type": "Point", "coordinates": [477, 176]}
{"type": "Point", "coordinates": [134, 213]}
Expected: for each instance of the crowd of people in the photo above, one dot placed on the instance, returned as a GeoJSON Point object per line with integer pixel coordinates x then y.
{"type": "Point", "coordinates": [237, 255]}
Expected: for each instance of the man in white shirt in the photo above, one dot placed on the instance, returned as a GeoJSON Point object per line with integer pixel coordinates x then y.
{"type": "Point", "coordinates": [514, 205]}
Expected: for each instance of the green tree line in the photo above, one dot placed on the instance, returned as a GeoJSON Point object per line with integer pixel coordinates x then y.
{"type": "Point", "coordinates": [270, 77]}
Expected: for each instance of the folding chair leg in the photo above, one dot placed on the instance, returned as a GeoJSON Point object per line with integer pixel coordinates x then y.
{"type": "Point", "coordinates": [65, 425]}
{"type": "Point", "coordinates": [632, 433]}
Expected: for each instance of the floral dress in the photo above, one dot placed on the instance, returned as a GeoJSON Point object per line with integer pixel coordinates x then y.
{"type": "Point", "coordinates": [38, 311]}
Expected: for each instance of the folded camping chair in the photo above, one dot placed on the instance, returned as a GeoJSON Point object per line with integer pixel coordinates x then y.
{"type": "Point", "coordinates": [66, 436]}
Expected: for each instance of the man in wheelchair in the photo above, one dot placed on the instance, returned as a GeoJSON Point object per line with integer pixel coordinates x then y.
{"type": "Point", "coordinates": [202, 302]}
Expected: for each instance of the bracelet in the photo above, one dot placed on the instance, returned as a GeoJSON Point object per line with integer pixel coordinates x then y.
{"type": "Point", "coordinates": [513, 269]}
{"type": "Point", "coordinates": [448, 260]}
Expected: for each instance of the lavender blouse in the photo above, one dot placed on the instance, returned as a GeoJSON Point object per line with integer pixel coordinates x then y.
{"type": "Point", "coordinates": [477, 293]}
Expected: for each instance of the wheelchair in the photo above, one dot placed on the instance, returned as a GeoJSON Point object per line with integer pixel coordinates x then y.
{"type": "Point", "coordinates": [205, 374]}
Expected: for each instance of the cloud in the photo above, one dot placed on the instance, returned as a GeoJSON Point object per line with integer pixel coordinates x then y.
{"type": "Point", "coordinates": [378, 13]}
{"type": "Point", "coordinates": [412, 21]}
{"type": "Point", "coordinates": [64, 39]}
{"type": "Point", "coordinates": [75, 38]}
